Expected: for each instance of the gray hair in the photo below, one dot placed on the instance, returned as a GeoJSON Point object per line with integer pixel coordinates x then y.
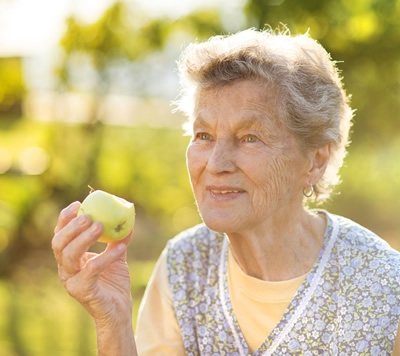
{"type": "Point", "coordinates": [312, 102]}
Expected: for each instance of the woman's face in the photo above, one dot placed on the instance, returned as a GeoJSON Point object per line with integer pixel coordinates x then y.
{"type": "Point", "coordinates": [245, 167]}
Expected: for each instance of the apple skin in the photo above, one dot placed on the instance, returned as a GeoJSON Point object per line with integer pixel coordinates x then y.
{"type": "Point", "coordinates": [116, 214]}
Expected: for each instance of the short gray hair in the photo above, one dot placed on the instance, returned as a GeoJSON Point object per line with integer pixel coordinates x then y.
{"type": "Point", "coordinates": [312, 102]}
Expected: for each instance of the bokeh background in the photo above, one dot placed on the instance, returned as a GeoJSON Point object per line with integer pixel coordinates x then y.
{"type": "Point", "coordinates": [85, 92]}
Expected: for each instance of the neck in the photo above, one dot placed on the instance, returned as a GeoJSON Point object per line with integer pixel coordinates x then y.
{"type": "Point", "coordinates": [282, 248]}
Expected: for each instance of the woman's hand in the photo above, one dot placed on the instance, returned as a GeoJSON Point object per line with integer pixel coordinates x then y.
{"type": "Point", "coordinates": [100, 282]}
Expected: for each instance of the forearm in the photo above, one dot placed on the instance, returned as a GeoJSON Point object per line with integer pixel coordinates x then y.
{"type": "Point", "coordinates": [116, 340]}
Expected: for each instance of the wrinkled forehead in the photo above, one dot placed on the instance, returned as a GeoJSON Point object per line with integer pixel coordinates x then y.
{"type": "Point", "coordinates": [246, 95]}
{"type": "Point", "coordinates": [246, 104]}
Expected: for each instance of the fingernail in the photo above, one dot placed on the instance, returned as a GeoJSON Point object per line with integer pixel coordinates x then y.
{"type": "Point", "coordinates": [83, 220]}
{"type": "Point", "coordinates": [121, 247]}
{"type": "Point", "coordinates": [96, 227]}
{"type": "Point", "coordinates": [74, 206]}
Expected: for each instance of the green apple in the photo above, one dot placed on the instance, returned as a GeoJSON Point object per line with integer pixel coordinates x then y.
{"type": "Point", "coordinates": [116, 214]}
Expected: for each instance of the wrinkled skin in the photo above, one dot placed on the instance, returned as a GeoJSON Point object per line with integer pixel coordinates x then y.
{"type": "Point", "coordinates": [248, 173]}
{"type": "Point", "coordinates": [100, 282]}
{"type": "Point", "coordinates": [245, 166]}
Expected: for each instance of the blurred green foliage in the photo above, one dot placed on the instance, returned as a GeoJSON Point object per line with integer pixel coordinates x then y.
{"type": "Point", "coordinates": [125, 34]}
{"type": "Point", "coordinates": [12, 88]}
{"type": "Point", "coordinates": [364, 37]}
{"type": "Point", "coordinates": [39, 318]}
{"type": "Point", "coordinates": [146, 164]}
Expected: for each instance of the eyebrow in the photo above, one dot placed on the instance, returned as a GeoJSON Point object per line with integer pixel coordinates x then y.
{"type": "Point", "coordinates": [250, 121]}
{"type": "Point", "coordinates": [252, 116]}
{"type": "Point", "coordinates": [200, 121]}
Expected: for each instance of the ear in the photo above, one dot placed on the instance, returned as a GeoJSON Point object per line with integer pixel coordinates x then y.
{"type": "Point", "coordinates": [319, 160]}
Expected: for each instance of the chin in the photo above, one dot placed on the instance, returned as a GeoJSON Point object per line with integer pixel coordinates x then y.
{"type": "Point", "coordinates": [219, 224]}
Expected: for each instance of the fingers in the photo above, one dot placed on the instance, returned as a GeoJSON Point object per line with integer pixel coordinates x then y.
{"type": "Point", "coordinates": [73, 237]}
{"type": "Point", "coordinates": [72, 253]}
{"type": "Point", "coordinates": [66, 215]}
{"type": "Point", "coordinates": [97, 264]}
{"type": "Point", "coordinates": [71, 245]}
{"type": "Point", "coordinates": [125, 240]}
{"type": "Point", "coordinates": [114, 251]}
{"type": "Point", "coordinates": [81, 284]}
{"type": "Point", "coordinates": [69, 231]}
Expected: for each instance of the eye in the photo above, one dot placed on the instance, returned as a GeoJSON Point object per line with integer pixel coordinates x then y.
{"type": "Point", "coordinates": [250, 138]}
{"type": "Point", "coordinates": [204, 136]}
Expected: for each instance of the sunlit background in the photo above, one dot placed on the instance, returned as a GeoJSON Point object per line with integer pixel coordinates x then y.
{"type": "Point", "coordinates": [85, 92]}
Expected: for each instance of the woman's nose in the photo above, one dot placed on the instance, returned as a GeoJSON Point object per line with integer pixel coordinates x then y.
{"type": "Point", "coordinates": [222, 157]}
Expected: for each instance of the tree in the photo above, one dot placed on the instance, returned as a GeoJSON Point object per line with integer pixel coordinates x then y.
{"type": "Point", "coordinates": [364, 36]}
{"type": "Point", "coordinates": [12, 87]}
{"type": "Point", "coordinates": [124, 35]}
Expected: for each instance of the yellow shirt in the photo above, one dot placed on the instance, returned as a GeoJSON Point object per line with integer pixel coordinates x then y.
{"type": "Point", "coordinates": [258, 307]}
{"type": "Point", "coordinates": [265, 302]}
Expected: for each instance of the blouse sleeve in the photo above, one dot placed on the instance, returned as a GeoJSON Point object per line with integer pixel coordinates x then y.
{"type": "Point", "coordinates": [157, 329]}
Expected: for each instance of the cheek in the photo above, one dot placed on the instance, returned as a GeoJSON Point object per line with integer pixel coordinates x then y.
{"type": "Point", "coordinates": [193, 164]}
{"type": "Point", "coordinates": [283, 172]}
{"type": "Point", "coordinates": [278, 177]}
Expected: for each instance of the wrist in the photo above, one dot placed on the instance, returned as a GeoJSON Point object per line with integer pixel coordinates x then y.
{"type": "Point", "coordinates": [116, 337]}
{"type": "Point", "coordinates": [116, 313]}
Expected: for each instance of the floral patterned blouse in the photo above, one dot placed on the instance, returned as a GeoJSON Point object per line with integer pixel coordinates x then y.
{"type": "Point", "coordinates": [349, 303]}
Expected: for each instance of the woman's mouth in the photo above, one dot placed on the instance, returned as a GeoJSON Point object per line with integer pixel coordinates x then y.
{"type": "Point", "coordinates": [225, 192]}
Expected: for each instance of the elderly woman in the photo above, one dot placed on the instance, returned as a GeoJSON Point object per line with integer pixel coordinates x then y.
{"type": "Point", "coordinates": [264, 275]}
